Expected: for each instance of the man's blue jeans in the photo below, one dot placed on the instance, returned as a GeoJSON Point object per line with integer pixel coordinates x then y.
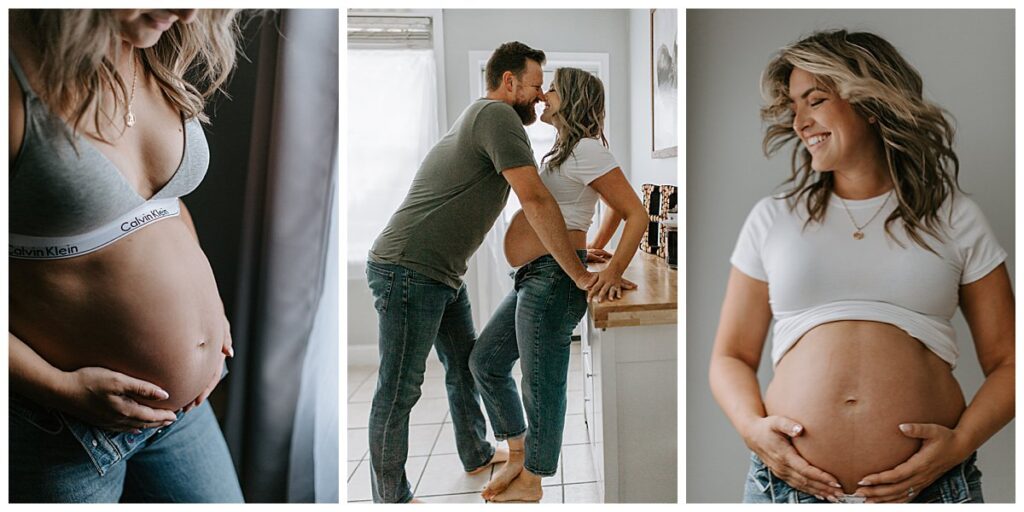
{"type": "Point", "coordinates": [533, 323]}
{"type": "Point", "coordinates": [415, 312]}
{"type": "Point", "coordinates": [56, 458]}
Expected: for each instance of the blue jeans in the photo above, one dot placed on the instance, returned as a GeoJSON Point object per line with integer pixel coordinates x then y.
{"type": "Point", "coordinates": [533, 323]}
{"type": "Point", "coordinates": [415, 312]}
{"type": "Point", "coordinates": [962, 484]}
{"type": "Point", "coordinates": [56, 458]}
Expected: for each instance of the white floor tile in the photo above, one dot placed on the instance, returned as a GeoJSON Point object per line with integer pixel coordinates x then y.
{"type": "Point", "coordinates": [444, 475]}
{"type": "Point", "coordinates": [422, 438]}
{"type": "Point", "coordinates": [352, 465]}
{"type": "Point", "coordinates": [358, 415]}
{"type": "Point", "coordinates": [357, 374]}
{"type": "Point", "coordinates": [578, 464]}
{"type": "Point", "coordinates": [359, 482]}
{"type": "Point", "coordinates": [429, 410]}
{"type": "Point", "coordinates": [552, 494]}
{"type": "Point", "coordinates": [434, 388]}
{"type": "Point", "coordinates": [469, 497]}
{"type": "Point", "coordinates": [446, 441]}
{"type": "Point", "coordinates": [575, 431]}
{"type": "Point", "coordinates": [414, 471]}
{"type": "Point", "coordinates": [364, 393]}
{"type": "Point", "coordinates": [358, 443]}
{"type": "Point", "coordinates": [581, 493]}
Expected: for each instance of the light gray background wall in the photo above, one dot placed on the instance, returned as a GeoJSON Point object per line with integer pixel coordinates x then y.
{"type": "Point", "coordinates": [623, 34]}
{"type": "Point", "coordinates": [966, 59]}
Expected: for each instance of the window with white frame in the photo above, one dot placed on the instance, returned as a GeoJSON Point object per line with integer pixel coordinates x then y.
{"type": "Point", "coordinates": [395, 79]}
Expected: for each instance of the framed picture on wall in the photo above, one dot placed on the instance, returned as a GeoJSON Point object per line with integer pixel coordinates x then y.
{"type": "Point", "coordinates": [664, 82]}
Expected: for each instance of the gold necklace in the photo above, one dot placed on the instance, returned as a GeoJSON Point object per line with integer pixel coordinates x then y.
{"type": "Point", "coordinates": [129, 118]}
{"type": "Point", "coordinates": [859, 233]}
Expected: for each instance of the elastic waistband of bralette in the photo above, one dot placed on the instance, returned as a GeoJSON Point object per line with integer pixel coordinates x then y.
{"type": "Point", "coordinates": [53, 248]}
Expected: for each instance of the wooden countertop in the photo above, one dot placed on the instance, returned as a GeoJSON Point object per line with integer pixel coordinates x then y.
{"type": "Point", "coordinates": [654, 301]}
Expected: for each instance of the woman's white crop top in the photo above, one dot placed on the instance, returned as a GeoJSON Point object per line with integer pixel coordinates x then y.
{"type": "Point", "coordinates": [821, 274]}
{"type": "Point", "coordinates": [569, 184]}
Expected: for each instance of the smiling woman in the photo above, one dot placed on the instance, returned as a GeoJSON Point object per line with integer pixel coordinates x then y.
{"type": "Point", "coordinates": [862, 309]}
{"type": "Point", "coordinates": [116, 344]}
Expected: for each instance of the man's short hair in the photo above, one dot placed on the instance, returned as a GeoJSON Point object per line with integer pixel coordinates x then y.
{"type": "Point", "coordinates": [512, 57]}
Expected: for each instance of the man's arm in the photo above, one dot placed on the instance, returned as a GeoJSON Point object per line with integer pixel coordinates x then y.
{"type": "Point", "coordinates": [545, 217]}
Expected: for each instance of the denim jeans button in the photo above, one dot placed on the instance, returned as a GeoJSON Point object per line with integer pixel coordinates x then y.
{"type": "Point", "coordinates": [95, 443]}
{"type": "Point", "coordinates": [130, 438]}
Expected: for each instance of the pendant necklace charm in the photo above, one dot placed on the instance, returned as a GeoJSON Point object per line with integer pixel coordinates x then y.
{"type": "Point", "coordinates": [858, 233]}
{"type": "Point", "coordinates": [129, 118]}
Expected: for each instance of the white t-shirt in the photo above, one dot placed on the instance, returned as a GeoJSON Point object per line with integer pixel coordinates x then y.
{"type": "Point", "coordinates": [569, 183]}
{"type": "Point", "coordinates": [821, 274]}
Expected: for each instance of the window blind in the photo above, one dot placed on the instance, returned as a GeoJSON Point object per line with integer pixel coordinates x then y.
{"type": "Point", "coordinates": [367, 31]}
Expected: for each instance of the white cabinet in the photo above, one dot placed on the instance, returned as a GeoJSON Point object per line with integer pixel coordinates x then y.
{"type": "Point", "coordinates": [630, 394]}
{"type": "Point", "coordinates": [630, 404]}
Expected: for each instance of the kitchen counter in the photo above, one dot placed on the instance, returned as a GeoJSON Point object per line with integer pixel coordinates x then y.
{"type": "Point", "coordinates": [654, 301]}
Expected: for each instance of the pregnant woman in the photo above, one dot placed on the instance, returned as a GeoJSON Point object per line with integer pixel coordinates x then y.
{"type": "Point", "coordinates": [535, 321]}
{"type": "Point", "coordinates": [117, 332]}
{"type": "Point", "coordinates": [862, 264]}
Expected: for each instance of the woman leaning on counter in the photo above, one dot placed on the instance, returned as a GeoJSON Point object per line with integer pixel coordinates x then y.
{"type": "Point", "coordinates": [862, 264]}
{"type": "Point", "coordinates": [117, 332]}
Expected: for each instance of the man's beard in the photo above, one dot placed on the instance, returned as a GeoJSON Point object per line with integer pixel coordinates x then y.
{"type": "Point", "coordinates": [526, 112]}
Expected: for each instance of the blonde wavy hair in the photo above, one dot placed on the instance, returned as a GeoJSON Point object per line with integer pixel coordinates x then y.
{"type": "Point", "coordinates": [917, 135]}
{"type": "Point", "coordinates": [580, 114]}
{"type": "Point", "coordinates": [78, 49]}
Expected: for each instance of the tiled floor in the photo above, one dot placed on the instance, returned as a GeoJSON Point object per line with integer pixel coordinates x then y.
{"type": "Point", "coordinates": [433, 467]}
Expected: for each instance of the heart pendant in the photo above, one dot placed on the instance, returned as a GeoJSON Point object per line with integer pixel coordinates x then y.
{"type": "Point", "coordinates": [857, 235]}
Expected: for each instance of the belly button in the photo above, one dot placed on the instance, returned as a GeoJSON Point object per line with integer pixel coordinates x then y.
{"type": "Point", "coordinates": [851, 401]}
{"type": "Point", "coordinates": [202, 344]}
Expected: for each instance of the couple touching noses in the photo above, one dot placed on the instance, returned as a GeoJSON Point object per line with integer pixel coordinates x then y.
{"type": "Point", "coordinates": [416, 264]}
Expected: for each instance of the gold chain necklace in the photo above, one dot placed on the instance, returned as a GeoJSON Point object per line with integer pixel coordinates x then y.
{"type": "Point", "coordinates": [129, 118]}
{"type": "Point", "coordinates": [859, 233]}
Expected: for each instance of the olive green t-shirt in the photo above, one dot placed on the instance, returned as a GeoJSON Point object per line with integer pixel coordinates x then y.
{"type": "Point", "coordinates": [457, 194]}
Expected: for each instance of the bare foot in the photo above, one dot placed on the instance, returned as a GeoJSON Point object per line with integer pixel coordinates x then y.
{"type": "Point", "coordinates": [504, 475]}
{"type": "Point", "coordinates": [500, 455]}
{"type": "Point", "coordinates": [524, 488]}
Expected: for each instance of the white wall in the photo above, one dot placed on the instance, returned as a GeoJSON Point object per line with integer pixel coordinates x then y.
{"type": "Point", "coordinates": [966, 59]}
{"type": "Point", "coordinates": [643, 168]}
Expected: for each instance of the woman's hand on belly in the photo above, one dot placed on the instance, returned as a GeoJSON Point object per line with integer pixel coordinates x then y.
{"type": "Point", "coordinates": [769, 438]}
{"type": "Point", "coordinates": [940, 451]}
{"type": "Point", "coordinates": [110, 400]}
{"type": "Point", "coordinates": [226, 351]}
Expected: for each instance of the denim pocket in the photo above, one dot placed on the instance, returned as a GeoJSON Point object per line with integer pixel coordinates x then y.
{"type": "Point", "coordinates": [962, 484]}
{"type": "Point", "coordinates": [760, 474]}
{"type": "Point", "coordinates": [39, 417]}
{"type": "Point", "coordinates": [381, 281]}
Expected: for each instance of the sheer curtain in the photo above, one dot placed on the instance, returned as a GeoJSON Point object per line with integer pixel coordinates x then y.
{"type": "Point", "coordinates": [392, 125]}
{"type": "Point", "coordinates": [313, 469]}
{"type": "Point", "coordinates": [291, 186]}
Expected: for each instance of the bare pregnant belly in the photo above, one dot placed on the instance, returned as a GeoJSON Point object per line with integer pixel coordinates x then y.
{"type": "Point", "coordinates": [522, 245]}
{"type": "Point", "coordinates": [851, 384]}
{"type": "Point", "coordinates": [147, 306]}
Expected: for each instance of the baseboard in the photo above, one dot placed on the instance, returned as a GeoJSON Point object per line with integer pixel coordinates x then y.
{"type": "Point", "coordinates": [363, 355]}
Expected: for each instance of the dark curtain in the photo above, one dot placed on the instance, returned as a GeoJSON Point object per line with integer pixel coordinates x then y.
{"type": "Point", "coordinates": [292, 173]}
